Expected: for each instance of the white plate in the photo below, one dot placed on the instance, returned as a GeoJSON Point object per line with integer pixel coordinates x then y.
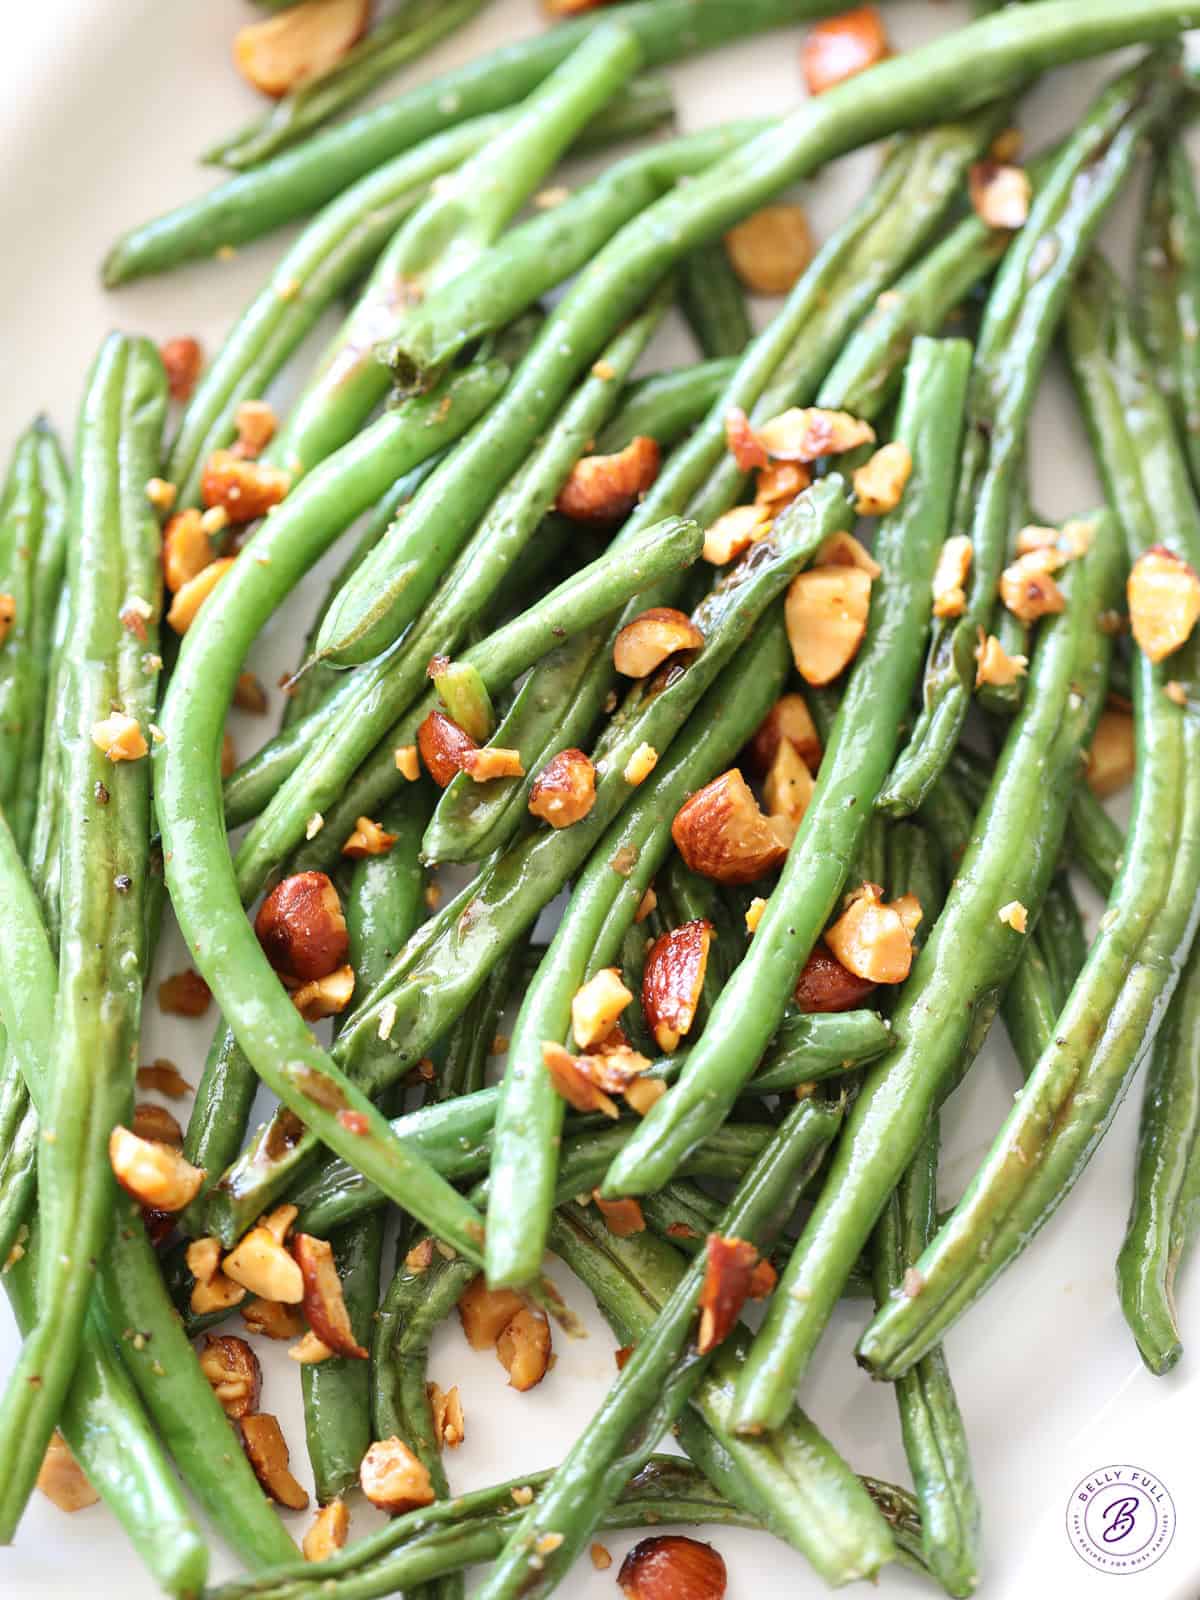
{"type": "Point", "coordinates": [103, 106]}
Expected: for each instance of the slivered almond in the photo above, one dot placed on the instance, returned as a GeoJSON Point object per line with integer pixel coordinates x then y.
{"type": "Point", "coordinates": [879, 483]}
{"type": "Point", "coordinates": [262, 1265]}
{"type": "Point", "coordinates": [744, 444]}
{"type": "Point", "coordinates": [789, 784]}
{"type": "Point", "coordinates": [485, 1313]}
{"type": "Point", "coordinates": [62, 1480]}
{"type": "Point", "coordinates": [1111, 755]}
{"type": "Point", "coordinates": [325, 997]}
{"type": "Point", "coordinates": [564, 791]}
{"type": "Point", "coordinates": [734, 532]}
{"type": "Point", "coordinates": [1000, 194]}
{"type": "Point", "coordinates": [994, 665]}
{"type": "Point", "coordinates": [789, 718]}
{"type": "Point", "coordinates": [120, 737]}
{"type": "Point", "coordinates": [844, 550]}
{"type": "Point", "coordinates": [523, 1349]}
{"type": "Point", "coordinates": [771, 248]}
{"type": "Point", "coordinates": [596, 1006]}
{"type": "Point", "coordinates": [1164, 602]}
{"type": "Point", "coordinates": [324, 1302]}
{"type": "Point", "coordinates": [806, 433]}
{"type": "Point", "coordinates": [647, 641]}
{"type": "Point", "coordinates": [244, 490]}
{"type": "Point", "coordinates": [194, 593]}
{"type": "Point", "coordinates": [729, 1267]}
{"type": "Point", "coordinates": [368, 839]}
{"type": "Point", "coordinates": [602, 490]}
{"type": "Point", "coordinates": [449, 1425]}
{"type": "Point", "coordinates": [443, 746]}
{"type": "Point", "coordinates": [673, 981]}
{"type": "Point", "coordinates": [826, 985]}
{"type": "Point", "coordinates": [328, 1533]}
{"type": "Point", "coordinates": [873, 940]}
{"type": "Point", "coordinates": [826, 616]}
{"type": "Point", "coordinates": [1028, 589]}
{"type": "Point", "coordinates": [153, 1174]}
{"type": "Point", "coordinates": [302, 928]}
{"type": "Point", "coordinates": [183, 359]}
{"type": "Point", "coordinates": [233, 1373]}
{"type": "Point", "coordinates": [279, 54]}
{"type": "Point", "coordinates": [492, 761]}
{"type": "Point", "coordinates": [269, 1456]}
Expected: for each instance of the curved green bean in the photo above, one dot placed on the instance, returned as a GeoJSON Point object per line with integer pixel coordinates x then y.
{"type": "Point", "coordinates": [1168, 298]}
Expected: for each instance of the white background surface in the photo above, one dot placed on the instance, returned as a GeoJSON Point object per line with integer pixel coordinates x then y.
{"type": "Point", "coordinates": [103, 107]}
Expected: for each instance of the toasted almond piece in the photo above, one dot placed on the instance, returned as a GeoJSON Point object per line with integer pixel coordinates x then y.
{"type": "Point", "coordinates": [393, 1479]}
{"type": "Point", "coordinates": [826, 615]}
{"type": "Point", "coordinates": [244, 490]}
{"type": "Point", "coordinates": [622, 1217]}
{"type": "Point", "coordinates": [233, 1372]}
{"type": "Point", "coordinates": [806, 433]}
{"type": "Point", "coordinates": [154, 1174]}
{"type": "Point", "coordinates": [278, 1222]}
{"type": "Point", "coordinates": [995, 665]}
{"type": "Point", "coordinates": [328, 1533]}
{"type": "Point", "coordinates": [734, 532]}
{"type": "Point", "coordinates": [1075, 538]}
{"type": "Point", "coordinates": [1111, 755]}
{"type": "Point", "coordinates": [1028, 589]}
{"type": "Point", "coordinates": [485, 1313]}
{"type": "Point", "coordinates": [161, 494]}
{"type": "Point", "coordinates": [643, 1092]}
{"type": "Point", "coordinates": [368, 839]}
{"type": "Point", "coordinates": [324, 1303]}
{"type": "Point", "coordinates": [744, 444]}
{"type": "Point", "coordinates": [1000, 194]}
{"type": "Point", "coordinates": [272, 1319]}
{"type": "Point", "coordinates": [729, 1266]}
{"type": "Point", "coordinates": [443, 746]}
{"type": "Point", "coordinates": [269, 1456]}
{"type": "Point", "coordinates": [493, 761]}
{"type": "Point", "coordinates": [844, 550]}
{"type": "Point", "coordinates": [721, 833]}
{"type": "Point", "coordinates": [601, 1559]}
{"type": "Point", "coordinates": [212, 1290]}
{"type": "Point", "coordinates": [183, 359]}
{"type": "Point", "coordinates": [871, 939]}
{"type": "Point", "coordinates": [646, 905]}
{"type": "Point", "coordinates": [325, 997]}
{"type": "Point", "coordinates": [1164, 602]}
{"type": "Point", "coordinates": [564, 791]}
{"type": "Point", "coordinates": [779, 483]}
{"type": "Point", "coordinates": [789, 718]}
{"type": "Point", "coordinates": [302, 928]}
{"type": "Point", "coordinates": [826, 985]}
{"type": "Point", "coordinates": [279, 54]}
{"type": "Point", "coordinates": [523, 1349]}
{"type": "Point", "coordinates": [449, 1425]}
{"type": "Point", "coordinates": [156, 1124]}
{"type": "Point", "coordinates": [8, 614]}
{"type": "Point", "coordinates": [640, 764]}
{"type": "Point", "coordinates": [596, 1006]}
{"type": "Point", "coordinates": [195, 592]}
{"type": "Point", "coordinates": [602, 490]}
{"type": "Point", "coordinates": [164, 1076]}
{"type": "Point", "coordinates": [262, 1265]}
{"type": "Point", "coordinates": [184, 994]}
{"type": "Point", "coordinates": [762, 1281]}
{"type": "Point", "coordinates": [771, 248]}
{"type": "Point", "coordinates": [1036, 536]}
{"type": "Point", "coordinates": [186, 549]}
{"type": "Point", "coordinates": [950, 576]}
{"type": "Point", "coordinates": [310, 1351]}
{"type": "Point", "coordinates": [672, 1567]}
{"type": "Point", "coordinates": [408, 763]}
{"type": "Point", "coordinates": [1014, 916]}
{"type": "Point", "coordinates": [789, 784]}
{"type": "Point", "coordinates": [840, 47]}
{"type": "Point", "coordinates": [647, 641]}
{"type": "Point", "coordinates": [573, 1082]}
{"type": "Point", "coordinates": [673, 981]}
{"type": "Point", "coordinates": [754, 913]}
{"type": "Point", "coordinates": [62, 1480]}
{"type": "Point", "coordinates": [120, 737]}
{"type": "Point", "coordinates": [256, 422]}
{"type": "Point", "coordinates": [879, 483]}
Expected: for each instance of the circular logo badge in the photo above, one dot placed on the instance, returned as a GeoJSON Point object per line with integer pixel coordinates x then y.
{"type": "Point", "coordinates": [1121, 1519]}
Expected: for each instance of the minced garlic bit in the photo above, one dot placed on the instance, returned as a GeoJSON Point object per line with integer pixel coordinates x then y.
{"type": "Point", "coordinates": [1014, 915]}
{"type": "Point", "coordinates": [408, 763]}
{"type": "Point", "coordinates": [995, 665]}
{"type": "Point", "coordinates": [314, 825]}
{"type": "Point", "coordinates": [950, 577]}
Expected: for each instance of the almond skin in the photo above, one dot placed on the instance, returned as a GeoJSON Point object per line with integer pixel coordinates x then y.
{"type": "Point", "coordinates": [728, 1274]}
{"type": "Point", "coordinates": [443, 746]}
{"type": "Point", "coordinates": [324, 1303]}
{"type": "Point", "coordinates": [301, 927]}
{"type": "Point", "coordinates": [826, 985]}
{"type": "Point", "coordinates": [646, 642]}
{"type": "Point", "coordinates": [269, 1456]}
{"type": "Point", "coordinates": [564, 791]}
{"type": "Point", "coordinates": [721, 832]}
{"type": "Point", "coordinates": [673, 981]}
{"type": "Point", "coordinates": [789, 718]}
{"type": "Point", "coordinates": [183, 358]}
{"type": "Point", "coordinates": [672, 1567]}
{"type": "Point", "coordinates": [602, 490]}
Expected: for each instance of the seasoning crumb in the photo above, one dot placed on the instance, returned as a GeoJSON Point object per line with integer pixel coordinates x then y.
{"type": "Point", "coordinates": [523, 1495]}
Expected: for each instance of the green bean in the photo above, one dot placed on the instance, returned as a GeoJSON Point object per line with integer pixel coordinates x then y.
{"type": "Point", "coordinates": [655, 1385]}
{"type": "Point", "coordinates": [1135, 962]}
{"type": "Point", "coordinates": [930, 1421]}
{"type": "Point", "coordinates": [1002, 699]}
{"type": "Point", "coordinates": [114, 559]}
{"type": "Point", "coordinates": [1168, 299]}
{"type": "Point", "coordinates": [298, 181]}
{"type": "Point", "coordinates": [1094, 842]}
{"type": "Point", "coordinates": [463, 215]}
{"type": "Point", "coordinates": [470, 1042]}
{"type": "Point", "coordinates": [602, 907]}
{"type": "Point", "coordinates": [713, 302]}
{"type": "Point", "coordinates": [853, 766]}
{"type": "Point", "coordinates": [392, 43]}
{"type": "Point", "coordinates": [945, 1008]}
{"type": "Point", "coordinates": [33, 547]}
{"type": "Point", "coordinates": [666, 405]}
{"type": "Point", "coordinates": [1026, 303]}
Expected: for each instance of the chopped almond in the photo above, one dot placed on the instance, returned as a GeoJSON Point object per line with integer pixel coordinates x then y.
{"type": "Point", "coordinates": [564, 791]}
{"type": "Point", "coordinates": [672, 1567]}
{"type": "Point", "coordinates": [302, 928]}
{"type": "Point", "coordinates": [1000, 195]}
{"type": "Point", "coordinates": [762, 1281]}
{"type": "Point", "coordinates": [443, 746]}
{"type": "Point", "coordinates": [789, 718]}
{"type": "Point", "coordinates": [153, 1174]}
{"type": "Point", "coordinates": [164, 1076]}
{"type": "Point", "coordinates": [642, 1093]}
{"type": "Point", "coordinates": [485, 1313]}
{"type": "Point", "coordinates": [721, 832]}
{"type": "Point", "coordinates": [269, 1456]}
{"type": "Point", "coordinates": [1014, 916]}
{"type": "Point", "coordinates": [601, 1559]}
{"type": "Point", "coordinates": [1028, 589]}
{"type": "Point", "coordinates": [1164, 602]}
{"type": "Point", "coordinates": [325, 997]}
{"type": "Point", "coordinates": [183, 358]}
{"type": "Point", "coordinates": [62, 1480]}
{"type": "Point", "coordinates": [744, 444]}
{"type": "Point", "coordinates": [826, 985]}
{"type": "Point", "coordinates": [622, 1217]}
{"type": "Point", "coordinates": [733, 533]}
{"type": "Point", "coordinates": [604, 489]}
{"type": "Point", "coordinates": [645, 905]}
{"type": "Point", "coordinates": [329, 1532]}
{"type": "Point", "coordinates": [156, 1124]}
{"type": "Point", "coordinates": [596, 1006]}
{"type": "Point", "coordinates": [640, 764]}
{"type": "Point", "coordinates": [874, 940]}
{"type": "Point", "coordinates": [995, 665]}
{"type": "Point", "coordinates": [1035, 536]}
{"type": "Point", "coordinates": [233, 1372]}
{"type": "Point", "coordinates": [673, 981]}
{"type": "Point", "coordinates": [449, 1425]}
{"type": "Point", "coordinates": [212, 1290]}
{"type": "Point", "coordinates": [161, 494]}
{"type": "Point", "coordinates": [408, 763]}
{"type": "Point", "coordinates": [1075, 538]}
{"type": "Point", "coordinates": [880, 482]}
{"type": "Point", "coordinates": [278, 1222]}
{"type": "Point", "coordinates": [256, 423]}
{"type": "Point", "coordinates": [729, 1267]}
{"type": "Point", "coordinates": [184, 994]}
{"type": "Point", "coordinates": [789, 784]}
{"type": "Point", "coordinates": [771, 248]}
{"type": "Point", "coordinates": [393, 1479]}
{"type": "Point", "coordinates": [368, 839]}
{"type": "Point", "coordinates": [1176, 692]}
{"type": "Point", "coordinates": [806, 433]}
{"type": "Point", "coordinates": [8, 614]}
{"type": "Point", "coordinates": [647, 641]}
{"type": "Point", "coordinates": [844, 550]}
{"type": "Point", "coordinates": [262, 1265]}
{"type": "Point", "coordinates": [573, 1079]}
{"type": "Point", "coordinates": [244, 490]}
{"type": "Point", "coordinates": [950, 577]}
{"type": "Point", "coordinates": [1111, 755]}
{"type": "Point", "coordinates": [120, 737]}
{"type": "Point", "coordinates": [279, 54]}
{"type": "Point", "coordinates": [840, 47]}
{"type": "Point", "coordinates": [194, 593]}
{"type": "Point", "coordinates": [523, 1349]}
{"type": "Point", "coordinates": [272, 1319]}
{"type": "Point", "coordinates": [324, 1303]}
{"type": "Point", "coordinates": [493, 761]}
{"type": "Point", "coordinates": [754, 913]}
{"type": "Point", "coordinates": [310, 1351]}
{"type": "Point", "coordinates": [826, 614]}
{"type": "Point", "coordinates": [779, 483]}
